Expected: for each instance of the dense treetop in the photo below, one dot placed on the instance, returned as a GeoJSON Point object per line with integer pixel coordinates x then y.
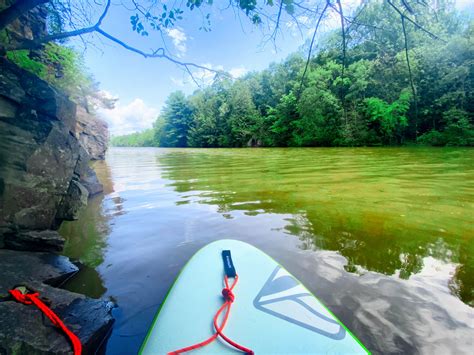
{"type": "Point", "coordinates": [366, 94]}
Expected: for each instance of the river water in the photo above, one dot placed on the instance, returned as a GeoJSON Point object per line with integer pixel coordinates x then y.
{"type": "Point", "coordinates": [383, 236]}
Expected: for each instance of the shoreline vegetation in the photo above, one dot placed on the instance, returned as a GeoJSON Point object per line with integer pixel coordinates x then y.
{"type": "Point", "coordinates": [369, 97]}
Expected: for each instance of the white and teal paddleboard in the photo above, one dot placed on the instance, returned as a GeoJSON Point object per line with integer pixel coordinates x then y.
{"type": "Point", "coordinates": [273, 312]}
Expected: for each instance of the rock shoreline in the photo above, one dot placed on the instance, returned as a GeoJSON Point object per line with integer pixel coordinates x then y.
{"type": "Point", "coordinates": [24, 330]}
{"type": "Point", "coordinates": [45, 178]}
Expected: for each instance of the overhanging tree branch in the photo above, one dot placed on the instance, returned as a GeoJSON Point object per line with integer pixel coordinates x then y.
{"type": "Point", "coordinates": [158, 53]}
{"type": "Point", "coordinates": [277, 21]}
{"type": "Point", "coordinates": [308, 59]}
{"type": "Point", "coordinates": [416, 24]}
{"type": "Point", "coordinates": [343, 31]}
{"type": "Point", "coordinates": [413, 89]}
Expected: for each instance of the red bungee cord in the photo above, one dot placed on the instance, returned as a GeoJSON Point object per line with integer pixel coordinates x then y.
{"type": "Point", "coordinates": [33, 298]}
{"type": "Point", "coordinates": [229, 299]}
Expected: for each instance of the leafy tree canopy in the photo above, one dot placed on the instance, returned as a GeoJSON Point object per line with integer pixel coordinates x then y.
{"type": "Point", "coordinates": [372, 97]}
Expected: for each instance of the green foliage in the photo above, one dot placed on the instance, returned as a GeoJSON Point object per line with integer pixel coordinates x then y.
{"type": "Point", "coordinates": [177, 116]}
{"type": "Point", "coordinates": [64, 69]}
{"type": "Point", "coordinates": [159, 15]}
{"type": "Point", "coordinates": [22, 59]}
{"type": "Point", "coordinates": [458, 130]}
{"type": "Point", "coordinates": [433, 138]}
{"type": "Point", "coordinates": [206, 130]}
{"type": "Point", "coordinates": [142, 139]}
{"type": "Point", "coordinates": [282, 118]}
{"type": "Point", "coordinates": [370, 102]}
{"type": "Point", "coordinates": [242, 116]}
{"type": "Point", "coordinates": [60, 66]}
{"type": "Point", "coordinates": [72, 75]}
{"type": "Point", "coordinates": [390, 117]}
{"type": "Point", "coordinates": [321, 113]}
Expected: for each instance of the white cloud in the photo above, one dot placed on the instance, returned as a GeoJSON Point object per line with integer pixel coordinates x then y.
{"type": "Point", "coordinates": [108, 95]}
{"type": "Point", "coordinates": [464, 5]}
{"type": "Point", "coordinates": [133, 117]}
{"type": "Point", "coordinates": [179, 39]}
{"type": "Point", "coordinates": [181, 82]}
{"type": "Point", "coordinates": [237, 72]}
{"type": "Point", "coordinates": [297, 26]}
{"type": "Point", "coordinates": [303, 25]}
{"type": "Point", "coordinates": [305, 20]}
{"type": "Point", "coordinates": [206, 77]}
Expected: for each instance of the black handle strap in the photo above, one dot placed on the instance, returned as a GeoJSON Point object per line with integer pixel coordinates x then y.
{"type": "Point", "coordinates": [228, 264]}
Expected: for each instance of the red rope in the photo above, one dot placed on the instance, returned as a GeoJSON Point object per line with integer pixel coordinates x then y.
{"type": "Point", "coordinates": [229, 299]}
{"type": "Point", "coordinates": [33, 298]}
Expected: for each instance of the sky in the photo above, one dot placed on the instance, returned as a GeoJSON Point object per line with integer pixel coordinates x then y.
{"type": "Point", "coordinates": [233, 44]}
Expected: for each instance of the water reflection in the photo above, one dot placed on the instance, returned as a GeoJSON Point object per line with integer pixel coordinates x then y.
{"type": "Point", "coordinates": [385, 210]}
{"type": "Point", "coordinates": [86, 238]}
{"type": "Point", "coordinates": [381, 236]}
{"type": "Point", "coordinates": [87, 282]}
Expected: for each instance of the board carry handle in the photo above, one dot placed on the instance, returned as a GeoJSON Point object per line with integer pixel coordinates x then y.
{"type": "Point", "coordinates": [229, 267]}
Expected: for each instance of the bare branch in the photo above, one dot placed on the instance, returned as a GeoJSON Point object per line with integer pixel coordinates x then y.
{"type": "Point", "coordinates": [353, 19]}
{"type": "Point", "coordinates": [321, 15]}
{"type": "Point", "coordinates": [343, 30]}
{"type": "Point", "coordinates": [104, 13]}
{"type": "Point", "coordinates": [299, 5]}
{"type": "Point", "coordinates": [407, 6]}
{"type": "Point", "coordinates": [39, 42]}
{"type": "Point", "coordinates": [417, 25]}
{"type": "Point", "coordinates": [192, 76]}
{"type": "Point", "coordinates": [413, 89]}
{"type": "Point", "coordinates": [158, 53]}
{"type": "Point", "coordinates": [275, 31]}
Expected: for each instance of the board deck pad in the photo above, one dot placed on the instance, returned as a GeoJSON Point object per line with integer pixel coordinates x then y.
{"type": "Point", "coordinates": [273, 312]}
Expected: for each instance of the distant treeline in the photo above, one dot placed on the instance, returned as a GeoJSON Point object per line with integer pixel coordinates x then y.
{"type": "Point", "coordinates": [364, 98]}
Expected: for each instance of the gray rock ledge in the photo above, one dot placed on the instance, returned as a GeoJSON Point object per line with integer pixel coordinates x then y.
{"type": "Point", "coordinates": [24, 330]}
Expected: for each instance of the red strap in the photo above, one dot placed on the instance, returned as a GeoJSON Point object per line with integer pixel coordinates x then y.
{"type": "Point", "coordinates": [33, 298]}
{"type": "Point", "coordinates": [229, 298]}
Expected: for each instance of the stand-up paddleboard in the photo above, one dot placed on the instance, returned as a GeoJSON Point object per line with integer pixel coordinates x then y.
{"type": "Point", "coordinates": [273, 313]}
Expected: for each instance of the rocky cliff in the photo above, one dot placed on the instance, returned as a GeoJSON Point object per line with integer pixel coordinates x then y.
{"type": "Point", "coordinates": [44, 179]}
{"type": "Point", "coordinates": [92, 133]}
{"type": "Point", "coordinates": [44, 167]}
{"type": "Point", "coordinates": [29, 25]}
